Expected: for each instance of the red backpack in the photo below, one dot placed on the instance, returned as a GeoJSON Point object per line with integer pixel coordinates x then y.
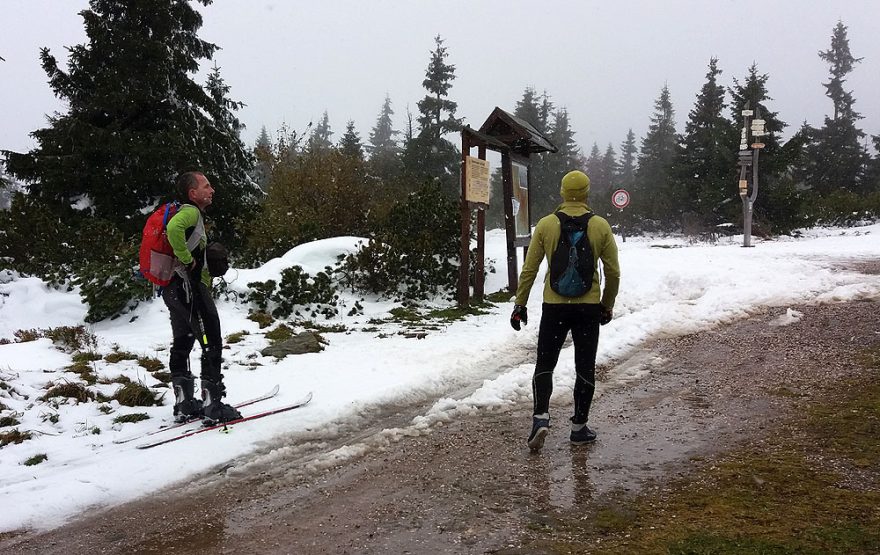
{"type": "Point", "coordinates": [156, 255]}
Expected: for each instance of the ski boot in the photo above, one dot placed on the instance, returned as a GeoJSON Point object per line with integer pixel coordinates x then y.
{"type": "Point", "coordinates": [186, 406]}
{"type": "Point", "coordinates": [215, 409]}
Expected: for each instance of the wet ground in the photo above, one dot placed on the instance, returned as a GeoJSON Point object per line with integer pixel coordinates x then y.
{"type": "Point", "coordinates": [473, 486]}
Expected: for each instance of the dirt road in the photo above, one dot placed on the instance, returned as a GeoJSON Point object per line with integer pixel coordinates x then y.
{"type": "Point", "coordinates": [473, 486]}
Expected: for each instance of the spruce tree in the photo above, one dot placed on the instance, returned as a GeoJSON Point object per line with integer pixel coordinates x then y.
{"type": "Point", "coordinates": [836, 157]}
{"type": "Point", "coordinates": [383, 147]}
{"type": "Point", "coordinates": [707, 170]}
{"type": "Point", "coordinates": [656, 162]}
{"type": "Point", "coordinates": [320, 140]}
{"type": "Point", "coordinates": [264, 160]}
{"type": "Point", "coordinates": [429, 155]}
{"type": "Point", "coordinates": [350, 144]}
{"type": "Point", "coordinates": [626, 168]}
{"type": "Point", "coordinates": [135, 118]}
{"type": "Point", "coordinates": [557, 164]}
{"type": "Point", "coordinates": [532, 108]}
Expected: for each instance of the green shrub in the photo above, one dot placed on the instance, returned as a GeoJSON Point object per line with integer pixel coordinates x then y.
{"type": "Point", "coordinates": [298, 291]}
{"type": "Point", "coordinates": [36, 459]}
{"type": "Point", "coordinates": [107, 280]}
{"type": "Point", "coordinates": [72, 338]}
{"type": "Point", "coordinates": [414, 254]}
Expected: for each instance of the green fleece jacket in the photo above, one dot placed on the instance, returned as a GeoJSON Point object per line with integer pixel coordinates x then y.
{"type": "Point", "coordinates": [180, 229]}
{"type": "Point", "coordinates": [543, 245]}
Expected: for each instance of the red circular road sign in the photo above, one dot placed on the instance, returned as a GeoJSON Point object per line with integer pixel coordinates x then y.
{"type": "Point", "coordinates": [620, 198]}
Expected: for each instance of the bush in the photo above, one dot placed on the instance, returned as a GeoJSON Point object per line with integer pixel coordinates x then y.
{"type": "Point", "coordinates": [297, 289]}
{"type": "Point", "coordinates": [70, 390]}
{"type": "Point", "coordinates": [13, 437]}
{"type": "Point", "coordinates": [415, 252]}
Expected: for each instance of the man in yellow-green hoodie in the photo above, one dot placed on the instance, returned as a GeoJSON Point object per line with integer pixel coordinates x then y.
{"type": "Point", "coordinates": [191, 307]}
{"type": "Point", "coordinates": [560, 314]}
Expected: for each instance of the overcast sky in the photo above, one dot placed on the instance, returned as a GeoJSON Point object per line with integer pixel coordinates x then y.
{"type": "Point", "coordinates": [606, 62]}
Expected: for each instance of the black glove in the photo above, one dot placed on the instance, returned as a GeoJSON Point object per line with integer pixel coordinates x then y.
{"type": "Point", "coordinates": [191, 271]}
{"type": "Point", "coordinates": [520, 314]}
{"type": "Point", "coordinates": [605, 315]}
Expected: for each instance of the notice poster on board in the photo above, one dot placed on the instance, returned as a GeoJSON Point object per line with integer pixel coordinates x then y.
{"type": "Point", "coordinates": [520, 200]}
{"type": "Point", "coordinates": [477, 180]}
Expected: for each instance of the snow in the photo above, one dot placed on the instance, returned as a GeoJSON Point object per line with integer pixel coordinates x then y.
{"type": "Point", "coordinates": [465, 368]}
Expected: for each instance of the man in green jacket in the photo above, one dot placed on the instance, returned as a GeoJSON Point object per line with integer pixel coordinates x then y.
{"type": "Point", "coordinates": [560, 315]}
{"type": "Point", "coordinates": [191, 307]}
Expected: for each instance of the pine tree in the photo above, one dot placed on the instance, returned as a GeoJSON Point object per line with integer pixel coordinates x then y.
{"type": "Point", "coordinates": [135, 118]}
{"type": "Point", "coordinates": [264, 160]}
{"type": "Point", "coordinates": [656, 162]}
{"type": "Point", "coordinates": [626, 168]}
{"type": "Point", "coordinates": [532, 108]}
{"type": "Point", "coordinates": [350, 144]}
{"type": "Point", "coordinates": [383, 148]}
{"type": "Point", "coordinates": [836, 158]}
{"type": "Point", "coordinates": [706, 172]}
{"type": "Point", "coordinates": [567, 158]}
{"type": "Point", "coordinates": [320, 137]}
{"type": "Point", "coordinates": [437, 110]}
{"type": "Point", "coordinates": [429, 155]}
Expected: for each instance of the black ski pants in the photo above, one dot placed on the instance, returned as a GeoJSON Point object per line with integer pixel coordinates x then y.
{"type": "Point", "coordinates": [582, 320]}
{"type": "Point", "coordinates": [193, 318]}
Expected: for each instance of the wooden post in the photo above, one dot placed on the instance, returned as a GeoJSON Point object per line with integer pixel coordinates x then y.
{"type": "Point", "coordinates": [464, 266]}
{"type": "Point", "coordinates": [507, 178]}
{"type": "Point", "coordinates": [479, 268]}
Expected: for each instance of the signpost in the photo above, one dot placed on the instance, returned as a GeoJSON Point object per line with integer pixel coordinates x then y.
{"type": "Point", "coordinates": [753, 126]}
{"type": "Point", "coordinates": [620, 200]}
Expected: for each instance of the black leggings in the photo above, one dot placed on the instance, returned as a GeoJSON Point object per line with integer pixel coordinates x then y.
{"type": "Point", "coordinates": [582, 320]}
{"type": "Point", "coordinates": [193, 317]}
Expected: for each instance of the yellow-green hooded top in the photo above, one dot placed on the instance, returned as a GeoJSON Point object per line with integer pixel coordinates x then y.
{"type": "Point", "coordinates": [574, 190]}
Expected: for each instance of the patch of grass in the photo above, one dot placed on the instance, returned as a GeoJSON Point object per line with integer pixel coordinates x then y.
{"type": "Point", "coordinates": [793, 498]}
{"type": "Point", "coordinates": [503, 296]}
{"type": "Point", "coordinates": [7, 421]}
{"type": "Point", "coordinates": [26, 336]}
{"type": "Point", "coordinates": [120, 379]}
{"type": "Point", "coordinates": [458, 313]}
{"type": "Point", "coordinates": [73, 338]}
{"type": "Point", "coordinates": [264, 319]}
{"type": "Point", "coordinates": [52, 417]}
{"type": "Point", "coordinates": [279, 334]}
{"type": "Point", "coordinates": [164, 377]}
{"type": "Point", "coordinates": [119, 356]}
{"type": "Point", "coordinates": [405, 314]}
{"type": "Point", "coordinates": [319, 328]}
{"type": "Point", "coordinates": [133, 417]}
{"type": "Point", "coordinates": [136, 395]}
{"type": "Point", "coordinates": [96, 431]}
{"type": "Point", "coordinates": [84, 370]}
{"type": "Point", "coordinates": [70, 390]}
{"type": "Point", "coordinates": [236, 337]}
{"type": "Point", "coordinates": [85, 356]}
{"type": "Point", "coordinates": [36, 459]}
{"type": "Point", "coordinates": [13, 437]}
{"type": "Point", "coordinates": [150, 364]}
{"type": "Point", "coordinates": [105, 409]}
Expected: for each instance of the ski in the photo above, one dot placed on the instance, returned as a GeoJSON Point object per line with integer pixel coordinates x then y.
{"type": "Point", "coordinates": [301, 403]}
{"type": "Point", "coordinates": [273, 392]}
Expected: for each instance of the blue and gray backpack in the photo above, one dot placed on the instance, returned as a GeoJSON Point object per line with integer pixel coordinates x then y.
{"type": "Point", "coordinates": [571, 267]}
